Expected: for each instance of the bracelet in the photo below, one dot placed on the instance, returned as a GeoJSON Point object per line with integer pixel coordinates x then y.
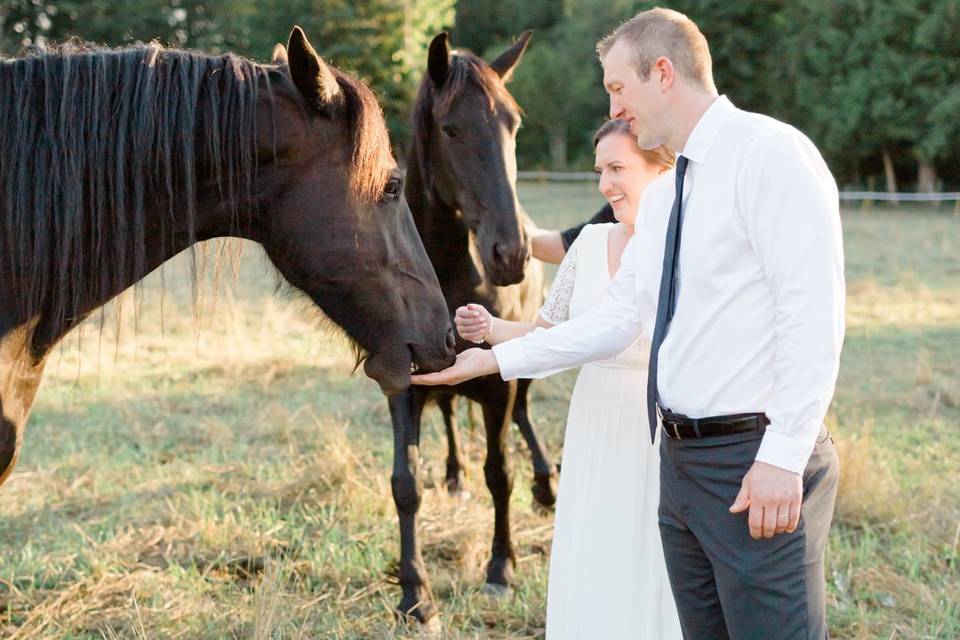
{"type": "Point", "coordinates": [489, 329]}
{"type": "Point", "coordinates": [487, 333]}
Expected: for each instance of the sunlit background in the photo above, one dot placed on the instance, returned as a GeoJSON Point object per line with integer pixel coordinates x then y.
{"type": "Point", "coordinates": [212, 469]}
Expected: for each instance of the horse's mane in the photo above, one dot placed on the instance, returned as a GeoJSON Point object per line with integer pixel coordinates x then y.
{"type": "Point", "coordinates": [433, 102]}
{"type": "Point", "coordinates": [93, 139]}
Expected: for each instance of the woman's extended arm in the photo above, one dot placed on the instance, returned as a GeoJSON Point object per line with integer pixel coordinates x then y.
{"type": "Point", "coordinates": [476, 324]}
{"type": "Point", "coordinates": [551, 246]}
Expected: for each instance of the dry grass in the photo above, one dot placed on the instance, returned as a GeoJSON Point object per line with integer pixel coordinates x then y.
{"type": "Point", "coordinates": [223, 476]}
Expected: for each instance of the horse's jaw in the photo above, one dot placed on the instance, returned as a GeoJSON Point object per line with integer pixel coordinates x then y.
{"type": "Point", "coordinates": [390, 369]}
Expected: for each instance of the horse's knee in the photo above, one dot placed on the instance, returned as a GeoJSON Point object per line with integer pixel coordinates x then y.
{"type": "Point", "coordinates": [498, 475]}
{"type": "Point", "coordinates": [9, 448]}
{"type": "Point", "coordinates": [407, 492]}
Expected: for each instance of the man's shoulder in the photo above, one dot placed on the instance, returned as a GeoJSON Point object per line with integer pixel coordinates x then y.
{"type": "Point", "coordinates": [759, 131]}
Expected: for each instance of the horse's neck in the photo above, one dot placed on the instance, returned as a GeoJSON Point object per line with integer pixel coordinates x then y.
{"type": "Point", "coordinates": [444, 235]}
{"type": "Point", "coordinates": [161, 245]}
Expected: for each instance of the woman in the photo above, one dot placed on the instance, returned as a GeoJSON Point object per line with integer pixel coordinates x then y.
{"type": "Point", "coordinates": [607, 574]}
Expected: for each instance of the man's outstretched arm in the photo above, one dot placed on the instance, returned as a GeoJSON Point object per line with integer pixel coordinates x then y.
{"type": "Point", "coordinates": [602, 332]}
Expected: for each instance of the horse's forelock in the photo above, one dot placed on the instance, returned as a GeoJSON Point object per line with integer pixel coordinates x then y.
{"type": "Point", "coordinates": [433, 103]}
{"type": "Point", "coordinates": [466, 67]}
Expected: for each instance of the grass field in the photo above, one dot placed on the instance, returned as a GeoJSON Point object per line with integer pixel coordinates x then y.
{"type": "Point", "coordinates": [223, 475]}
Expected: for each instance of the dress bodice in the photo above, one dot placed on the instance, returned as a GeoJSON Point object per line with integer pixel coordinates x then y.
{"type": "Point", "coordinates": [580, 284]}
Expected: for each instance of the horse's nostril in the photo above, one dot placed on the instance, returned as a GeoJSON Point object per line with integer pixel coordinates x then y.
{"type": "Point", "coordinates": [505, 254]}
{"type": "Point", "coordinates": [451, 340]}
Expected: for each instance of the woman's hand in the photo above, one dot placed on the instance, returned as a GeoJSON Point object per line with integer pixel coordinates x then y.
{"type": "Point", "coordinates": [470, 364]}
{"type": "Point", "coordinates": [474, 323]}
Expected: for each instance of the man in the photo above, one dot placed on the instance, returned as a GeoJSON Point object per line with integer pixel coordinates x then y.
{"type": "Point", "coordinates": [736, 270]}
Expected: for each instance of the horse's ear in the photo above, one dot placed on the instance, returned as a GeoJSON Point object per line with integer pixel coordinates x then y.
{"type": "Point", "coordinates": [507, 60]}
{"type": "Point", "coordinates": [311, 74]}
{"type": "Point", "coordinates": [438, 61]}
{"type": "Point", "coordinates": [279, 55]}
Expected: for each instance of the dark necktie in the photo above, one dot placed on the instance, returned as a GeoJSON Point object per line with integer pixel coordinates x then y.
{"type": "Point", "coordinates": [667, 300]}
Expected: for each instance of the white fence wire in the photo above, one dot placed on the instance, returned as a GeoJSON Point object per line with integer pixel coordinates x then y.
{"type": "Point", "coordinates": [881, 196]}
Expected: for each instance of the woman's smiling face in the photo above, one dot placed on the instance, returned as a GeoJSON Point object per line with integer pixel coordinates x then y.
{"type": "Point", "coordinates": [624, 174]}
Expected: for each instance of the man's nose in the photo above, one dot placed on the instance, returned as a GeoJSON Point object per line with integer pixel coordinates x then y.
{"type": "Point", "coordinates": [615, 109]}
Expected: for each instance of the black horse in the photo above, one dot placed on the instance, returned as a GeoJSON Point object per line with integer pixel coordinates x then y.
{"type": "Point", "coordinates": [461, 185]}
{"type": "Point", "coordinates": [113, 161]}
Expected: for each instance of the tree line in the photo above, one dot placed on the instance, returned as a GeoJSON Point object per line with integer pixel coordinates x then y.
{"type": "Point", "coordinates": [875, 83]}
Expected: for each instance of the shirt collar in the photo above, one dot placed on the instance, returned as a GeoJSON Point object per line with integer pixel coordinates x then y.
{"type": "Point", "coordinates": [703, 134]}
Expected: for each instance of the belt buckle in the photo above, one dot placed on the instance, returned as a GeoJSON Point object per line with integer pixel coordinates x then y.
{"type": "Point", "coordinates": [664, 421]}
{"type": "Point", "coordinates": [676, 431]}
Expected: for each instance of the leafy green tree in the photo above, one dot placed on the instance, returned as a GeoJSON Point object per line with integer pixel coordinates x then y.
{"type": "Point", "coordinates": [872, 82]}
{"type": "Point", "coordinates": [937, 48]}
{"type": "Point", "coordinates": [482, 22]}
{"type": "Point", "coordinates": [384, 42]}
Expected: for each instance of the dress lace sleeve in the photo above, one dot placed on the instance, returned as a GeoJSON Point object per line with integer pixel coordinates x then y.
{"type": "Point", "coordinates": [556, 309]}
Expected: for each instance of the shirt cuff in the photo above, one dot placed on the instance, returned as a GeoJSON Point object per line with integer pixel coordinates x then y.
{"type": "Point", "coordinates": [510, 358]}
{"type": "Point", "coordinates": [786, 452]}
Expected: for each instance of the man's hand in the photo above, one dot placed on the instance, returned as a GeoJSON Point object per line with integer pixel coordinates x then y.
{"type": "Point", "coordinates": [774, 496]}
{"type": "Point", "coordinates": [470, 364]}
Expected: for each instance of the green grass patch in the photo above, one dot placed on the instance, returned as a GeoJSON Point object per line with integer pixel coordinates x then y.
{"type": "Point", "coordinates": [222, 474]}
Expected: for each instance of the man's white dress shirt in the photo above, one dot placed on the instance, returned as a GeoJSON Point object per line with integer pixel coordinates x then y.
{"type": "Point", "coordinates": [759, 319]}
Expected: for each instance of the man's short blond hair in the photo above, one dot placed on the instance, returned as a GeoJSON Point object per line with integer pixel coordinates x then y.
{"type": "Point", "coordinates": [665, 33]}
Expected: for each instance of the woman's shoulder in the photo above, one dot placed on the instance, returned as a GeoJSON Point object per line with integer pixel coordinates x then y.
{"type": "Point", "coordinates": [592, 242]}
{"type": "Point", "coordinates": [597, 230]}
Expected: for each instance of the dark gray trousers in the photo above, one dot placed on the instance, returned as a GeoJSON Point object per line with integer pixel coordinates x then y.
{"type": "Point", "coordinates": [726, 584]}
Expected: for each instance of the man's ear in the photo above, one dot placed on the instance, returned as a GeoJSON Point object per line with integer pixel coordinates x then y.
{"type": "Point", "coordinates": [665, 73]}
{"type": "Point", "coordinates": [507, 61]}
{"type": "Point", "coordinates": [310, 73]}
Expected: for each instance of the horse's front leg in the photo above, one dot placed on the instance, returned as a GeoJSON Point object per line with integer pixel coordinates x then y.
{"type": "Point", "coordinates": [10, 441]}
{"type": "Point", "coordinates": [19, 380]}
{"type": "Point", "coordinates": [497, 407]}
{"type": "Point", "coordinates": [544, 472]}
{"type": "Point", "coordinates": [405, 411]}
{"type": "Point", "coordinates": [454, 475]}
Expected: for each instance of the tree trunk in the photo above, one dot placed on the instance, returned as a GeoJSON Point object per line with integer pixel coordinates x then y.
{"type": "Point", "coordinates": [890, 174]}
{"type": "Point", "coordinates": [926, 176]}
{"type": "Point", "coordinates": [558, 147]}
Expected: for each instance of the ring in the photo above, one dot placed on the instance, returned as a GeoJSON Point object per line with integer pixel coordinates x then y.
{"type": "Point", "coordinates": [783, 517]}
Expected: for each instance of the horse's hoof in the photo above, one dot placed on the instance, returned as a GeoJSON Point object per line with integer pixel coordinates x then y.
{"type": "Point", "coordinates": [544, 490]}
{"type": "Point", "coordinates": [541, 510]}
{"type": "Point", "coordinates": [454, 484]}
{"type": "Point", "coordinates": [419, 615]}
{"type": "Point", "coordinates": [498, 591]}
{"type": "Point", "coordinates": [432, 628]}
{"type": "Point", "coordinates": [414, 628]}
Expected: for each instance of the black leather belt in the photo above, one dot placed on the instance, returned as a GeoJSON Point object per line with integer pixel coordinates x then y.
{"type": "Point", "coordinates": [679, 427]}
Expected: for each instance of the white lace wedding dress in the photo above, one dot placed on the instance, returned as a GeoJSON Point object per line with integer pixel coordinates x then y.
{"type": "Point", "coordinates": [607, 575]}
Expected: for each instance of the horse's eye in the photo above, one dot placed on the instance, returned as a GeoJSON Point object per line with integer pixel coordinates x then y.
{"type": "Point", "coordinates": [450, 130]}
{"type": "Point", "coordinates": [393, 189]}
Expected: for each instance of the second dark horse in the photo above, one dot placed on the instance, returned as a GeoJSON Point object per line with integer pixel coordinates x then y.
{"type": "Point", "coordinates": [461, 186]}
